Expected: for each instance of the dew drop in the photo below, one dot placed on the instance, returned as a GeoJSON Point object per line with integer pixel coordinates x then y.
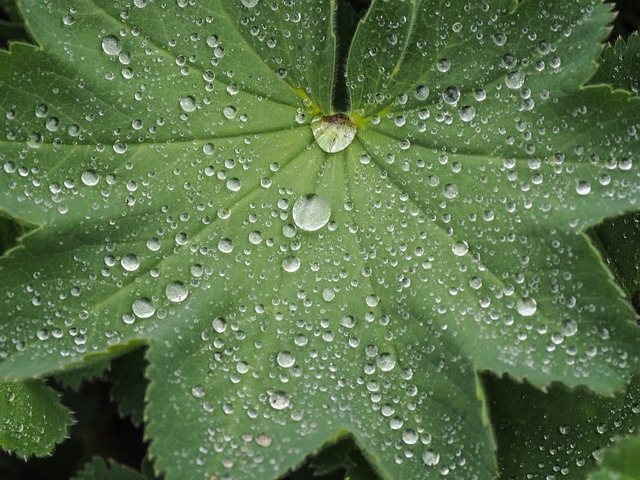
{"type": "Point", "coordinates": [176, 292]}
{"type": "Point", "coordinates": [467, 113]}
{"type": "Point", "coordinates": [285, 359]}
{"type": "Point", "coordinates": [460, 248]}
{"type": "Point", "coordinates": [188, 103]}
{"type": "Point", "coordinates": [143, 308]}
{"type": "Point", "coordinates": [250, 3]}
{"type": "Point", "coordinates": [219, 324]}
{"type": "Point", "coordinates": [291, 264]}
{"type": "Point", "coordinates": [130, 262]}
{"type": "Point", "coordinates": [451, 95]}
{"type": "Point", "coordinates": [569, 328]}
{"type": "Point", "coordinates": [514, 80]}
{"type": "Point", "coordinates": [333, 132]}
{"type": "Point", "coordinates": [311, 212]}
{"type": "Point", "coordinates": [386, 362]}
{"type": "Point", "coordinates": [225, 245]}
{"type": "Point", "coordinates": [90, 178]}
{"type": "Point", "coordinates": [430, 458]}
{"type": "Point", "coordinates": [421, 92]}
{"type": "Point", "coordinates": [526, 306]}
{"type": "Point", "coordinates": [111, 45]}
{"type": "Point", "coordinates": [197, 391]}
{"type": "Point", "coordinates": [583, 188]}
{"type": "Point", "coordinates": [279, 400]}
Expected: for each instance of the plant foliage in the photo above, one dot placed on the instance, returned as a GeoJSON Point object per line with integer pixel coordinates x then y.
{"type": "Point", "coordinates": [314, 254]}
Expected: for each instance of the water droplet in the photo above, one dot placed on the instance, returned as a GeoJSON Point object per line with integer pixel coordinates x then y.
{"type": "Point", "coordinates": [188, 103]}
{"type": "Point", "coordinates": [569, 328]}
{"type": "Point", "coordinates": [348, 321]}
{"type": "Point", "coordinates": [143, 308]}
{"type": "Point", "coordinates": [264, 440]}
{"type": "Point", "coordinates": [421, 92]}
{"type": "Point", "coordinates": [197, 391]}
{"type": "Point", "coordinates": [514, 80]}
{"type": "Point", "coordinates": [409, 436]}
{"type": "Point", "coordinates": [291, 264]}
{"type": "Point", "coordinates": [430, 458]}
{"type": "Point", "coordinates": [250, 3]}
{"type": "Point", "coordinates": [451, 95]}
{"type": "Point", "coordinates": [130, 262]}
{"type": "Point", "coordinates": [386, 362]}
{"type": "Point", "coordinates": [111, 45]}
{"type": "Point", "coordinates": [460, 248]}
{"type": "Point", "coordinates": [526, 306]}
{"type": "Point", "coordinates": [279, 400]}
{"type": "Point", "coordinates": [286, 359]}
{"type": "Point", "coordinates": [176, 292]}
{"type": "Point", "coordinates": [225, 245]}
{"type": "Point", "coordinates": [219, 324]}
{"type": "Point", "coordinates": [333, 132]}
{"type": "Point", "coordinates": [467, 113]}
{"type": "Point", "coordinates": [583, 188]}
{"type": "Point", "coordinates": [90, 178]}
{"type": "Point", "coordinates": [450, 190]}
{"type": "Point", "coordinates": [311, 212]}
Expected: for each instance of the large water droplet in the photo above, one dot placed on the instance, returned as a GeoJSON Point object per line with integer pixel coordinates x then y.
{"type": "Point", "coordinates": [285, 359]}
{"type": "Point", "coordinates": [333, 132]}
{"type": "Point", "coordinates": [188, 103]}
{"type": "Point", "coordinates": [311, 212]}
{"type": "Point", "coordinates": [279, 400]}
{"type": "Point", "coordinates": [143, 308]}
{"type": "Point", "coordinates": [111, 45]}
{"type": "Point", "coordinates": [527, 307]}
{"type": "Point", "coordinates": [250, 3]}
{"type": "Point", "coordinates": [430, 458]}
{"type": "Point", "coordinates": [130, 262]}
{"type": "Point", "coordinates": [386, 362]}
{"type": "Point", "coordinates": [176, 292]}
{"type": "Point", "coordinates": [514, 80]}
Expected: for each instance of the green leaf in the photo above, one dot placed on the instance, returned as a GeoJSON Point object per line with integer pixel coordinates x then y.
{"type": "Point", "coordinates": [33, 420]}
{"type": "Point", "coordinates": [74, 377]}
{"type": "Point", "coordinates": [12, 26]}
{"type": "Point", "coordinates": [620, 462]}
{"type": "Point", "coordinates": [619, 238]}
{"type": "Point", "coordinates": [167, 151]}
{"type": "Point", "coordinates": [129, 385]}
{"type": "Point", "coordinates": [621, 65]}
{"type": "Point", "coordinates": [98, 469]}
{"type": "Point", "coordinates": [542, 433]}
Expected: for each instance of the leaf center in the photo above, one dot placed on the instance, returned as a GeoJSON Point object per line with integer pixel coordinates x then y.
{"type": "Point", "coordinates": [333, 132]}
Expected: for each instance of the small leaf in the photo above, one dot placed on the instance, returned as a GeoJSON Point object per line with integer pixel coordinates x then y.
{"type": "Point", "coordinates": [98, 469]}
{"type": "Point", "coordinates": [621, 65]}
{"type": "Point", "coordinates": [73, 377]}
{"type": "Point", "coordinates": [620, 462]}
{"type": "Point", "coordinates": [129, 385]}
{"type": "Point", "coordinates": [33, 420]}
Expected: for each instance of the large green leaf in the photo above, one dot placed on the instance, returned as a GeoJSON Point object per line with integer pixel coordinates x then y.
{"type": "Point", "coordinates": [167, 151]}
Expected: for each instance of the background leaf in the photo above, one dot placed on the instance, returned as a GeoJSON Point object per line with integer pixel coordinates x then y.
{"type": "Point", "coordinates": [621, 461]}
{"type": "Point", "coordinates": [98, 469]}
{"type": "Point", "coordinates": [33, 420]}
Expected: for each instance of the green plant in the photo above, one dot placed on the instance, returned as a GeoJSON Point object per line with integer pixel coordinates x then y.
{"type": "Point", "coordinates": [321, 236]}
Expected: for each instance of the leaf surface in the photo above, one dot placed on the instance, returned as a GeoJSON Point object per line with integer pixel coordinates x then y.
{"type": "Point", "coordinates": [98, 469]}
{"type": "Point", "coordinates": [621, 462]}
{"type": "Point", "coordinates": [288, 295]}
{"type": "Point", "coordinates": [33, 420]}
